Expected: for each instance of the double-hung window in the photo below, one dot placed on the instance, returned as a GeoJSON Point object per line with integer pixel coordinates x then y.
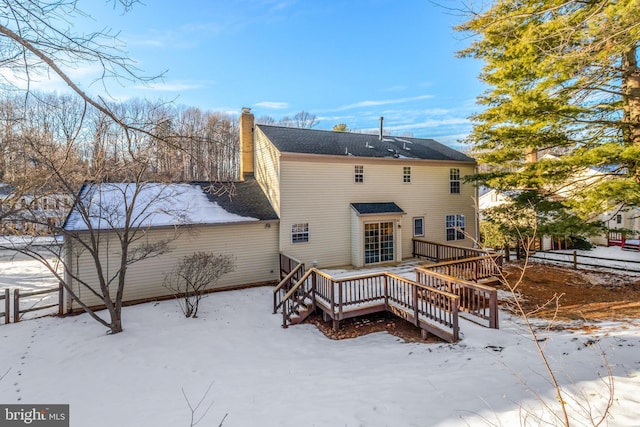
{"type": "Point", "coordinates": [454, 227]}
{"type": "Point", "coordinates": [300, 233]}
{"type": "Point", "coordinates": [454, 181]}
{"type": "Point", "coordinates": [418, 226]}
{"type": "Point", "coordinates": [406, 174]}
{"type": "Point", "coordinates": [358, 173]}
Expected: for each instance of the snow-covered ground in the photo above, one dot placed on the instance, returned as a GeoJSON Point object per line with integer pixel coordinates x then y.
{"type": "Point", "coordinates": [18, 271]}
{"type": "Point", "coordinates": [268, 376]}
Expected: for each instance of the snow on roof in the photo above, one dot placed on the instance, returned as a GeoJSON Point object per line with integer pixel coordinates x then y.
{"type": "Point", "coordinates": [154, 205]}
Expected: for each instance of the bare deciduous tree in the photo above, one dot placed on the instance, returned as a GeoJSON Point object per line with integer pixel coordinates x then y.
{"type": "Point", "coordinates": [193, 275]}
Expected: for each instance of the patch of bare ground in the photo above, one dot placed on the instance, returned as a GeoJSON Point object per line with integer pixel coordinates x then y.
{"type": "Point", "coordinates": [377, 322]}
{"type": "Point", "coordinates": [553, 292]}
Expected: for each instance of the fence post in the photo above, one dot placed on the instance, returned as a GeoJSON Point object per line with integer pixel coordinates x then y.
{"type": "Point", "coordinates": [60, 299]}
{"type": "Point", "coordinates": [575, 260]}
{"type": "Point", "coordinates": [16, 305]}
{"type": "Point", "coordinates": [7, 305]}
{"type": "Point", "coordinates": [493, 310]}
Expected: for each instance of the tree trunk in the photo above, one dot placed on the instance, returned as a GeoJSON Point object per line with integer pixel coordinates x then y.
{"type": "Point", "coordinates": [631, 99]}
{"type": "Point", "coordinates": [116, 322]}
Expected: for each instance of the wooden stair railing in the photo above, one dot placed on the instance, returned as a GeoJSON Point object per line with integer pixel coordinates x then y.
{"type": "Point", "coordinates": [299, 302]}
{"type": "Point", "coordinates": [284, 286]}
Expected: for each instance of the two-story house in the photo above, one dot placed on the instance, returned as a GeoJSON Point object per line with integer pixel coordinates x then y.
{"type": "Point", "coordinates": [359, 199]}
{"type": "Point", "coordinates": [326, 198]}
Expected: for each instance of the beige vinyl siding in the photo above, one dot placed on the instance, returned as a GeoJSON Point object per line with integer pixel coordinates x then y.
{"type": "Point", "coordinates": [254, 246]}
{"type": "Point", "coordinates": [357, 239]}
{"type": "Point", "coordinates": [320, 189]}
{"type": "Point", "coordinates": [267, 169]}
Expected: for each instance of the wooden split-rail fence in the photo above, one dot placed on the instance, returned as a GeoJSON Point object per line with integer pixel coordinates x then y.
{"type": "Point", "coordinates": [14, 312]}
{"type": "Point", "coordinates": [432, 302]}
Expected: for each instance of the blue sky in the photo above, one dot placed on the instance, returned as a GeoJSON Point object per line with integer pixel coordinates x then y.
{"type": "Point", "coordinates": [344, 61]}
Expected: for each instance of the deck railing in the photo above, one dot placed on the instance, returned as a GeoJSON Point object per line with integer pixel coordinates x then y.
{"type": "Point", "coordinates": [433, 310]}
{"type": "Point", "coordinates": [479, 301]}
{"type": "Point", "coordinates": [431, 307]}
{"type": "Point", "coordinates": [470, 269]}
{"type": "Point", "coordinates": [438, 252]}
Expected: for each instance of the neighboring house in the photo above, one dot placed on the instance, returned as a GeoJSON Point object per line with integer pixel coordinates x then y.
{"type": "Point", "coordinates": [29, 213]}
{"type": "Point", "coordinates": [326, 198]}
{"type": "Point", "coordinates": [620, 218]}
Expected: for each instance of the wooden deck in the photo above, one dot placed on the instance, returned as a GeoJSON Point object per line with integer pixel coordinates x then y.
{"type": "Point", "coordinates": [432, 302]}
{"type": "Point", "coordinates": [434, 311]}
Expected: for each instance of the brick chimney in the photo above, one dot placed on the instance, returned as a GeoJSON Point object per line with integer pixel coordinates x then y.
{"type": "Point", "coordinates": [246, 142]}
{"type": "Point", "coordinates": [530, 155]}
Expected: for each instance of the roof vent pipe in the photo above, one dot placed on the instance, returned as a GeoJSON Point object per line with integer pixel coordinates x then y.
{"type": "Point", "coordinates": [380, 136]}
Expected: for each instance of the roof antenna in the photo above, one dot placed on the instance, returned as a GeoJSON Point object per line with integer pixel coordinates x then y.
{"type": "Point", "coordinates": [380, 136]}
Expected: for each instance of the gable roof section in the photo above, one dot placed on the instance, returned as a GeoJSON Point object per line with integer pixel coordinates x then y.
{"type": "Point", "coordinates": [322, 142]}
{"type": "Point", "coordinates": [377, 208]}
{"type": "Point", "coordinates": [161, 204]}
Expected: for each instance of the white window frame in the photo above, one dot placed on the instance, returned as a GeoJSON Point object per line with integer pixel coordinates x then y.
{"type": "Point", "coordinates": [455, 223]}
{"type": "Point", "coordinates": [455, 185]}
{"type": "Point", "coordinates": [300, 233]}
{"type": "Point", "coordinates": [421, 220]}
{"type": "Point", "coordinates": [358, 174]}
{"type": "Point", "coordinates": [406, 174]}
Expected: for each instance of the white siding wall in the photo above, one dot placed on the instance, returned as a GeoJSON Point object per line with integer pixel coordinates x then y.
{"type": "Point", "coordinates": [254, 246]}
{"type": "Point", "coordinates": [320, 193]}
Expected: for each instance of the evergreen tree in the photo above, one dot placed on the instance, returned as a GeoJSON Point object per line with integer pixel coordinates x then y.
{"type": "Point", "coordinates": [562, 78]}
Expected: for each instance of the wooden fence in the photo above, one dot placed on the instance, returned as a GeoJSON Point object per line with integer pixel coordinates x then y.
{"type": "Point", "coordinates": [574, 259]}
{"type": "Point", "coordinates": [6, 313]}
{"type": "Point", "coordinates": [18, 296]}
{"type": "Point", "coordinates": [438, 252]}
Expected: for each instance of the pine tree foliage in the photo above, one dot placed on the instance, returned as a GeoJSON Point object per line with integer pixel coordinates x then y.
{"type": "Point", "coordinates": [562, 78]}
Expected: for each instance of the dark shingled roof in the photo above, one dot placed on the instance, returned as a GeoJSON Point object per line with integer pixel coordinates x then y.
{"type": "Point", "coordinates": [244, 198]}
{"type": "Point", "coordinates": [376, 208]}
{"type": "Point", "coordinates": [312, 141]}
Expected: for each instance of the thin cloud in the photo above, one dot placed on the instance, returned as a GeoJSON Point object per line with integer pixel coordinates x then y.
{"type": "Point", "coordinates": [170, 87]}
{"type": "Point", "coordinates": [272, 105]}
{"type": "Point", "coordinates": [365, 104]}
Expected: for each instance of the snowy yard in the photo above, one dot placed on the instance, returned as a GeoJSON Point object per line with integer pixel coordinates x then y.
{"type": "Point", "coordinates": [269, 376]}
{"type": "Point", "coordinates": [21, 272]}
